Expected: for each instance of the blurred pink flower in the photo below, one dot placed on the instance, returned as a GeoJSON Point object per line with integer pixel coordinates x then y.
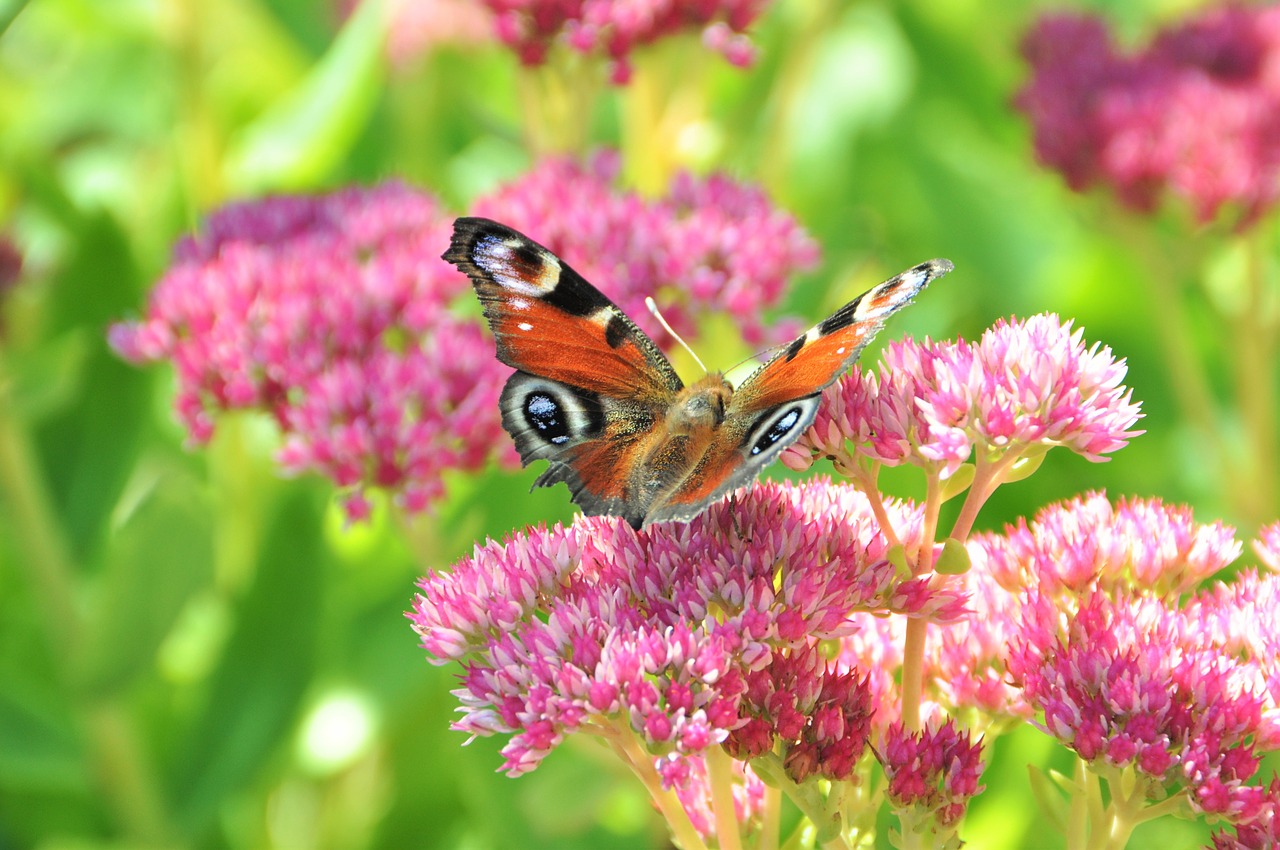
{"type": "Point", "coordinates": [1268, 546]}
{"type": "Point", "coordinates": [1196, 114]}
{"type": "Point", "coordinates": [1025, 386]}
{"type": "Point", "coordinates": [330, 313]}
{"type": "Point", "coordinates": [692, 784]}
{"type": "Point", "coordinates": [613, 29]}
{"type": "Point", "coordinates": [682, 631]}
{"type": "Point", "coordinates": [709, 245]}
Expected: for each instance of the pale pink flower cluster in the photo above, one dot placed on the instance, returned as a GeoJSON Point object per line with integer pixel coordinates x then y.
{"type": "Point", "coordinates": [1130, 680]}
{"type": "Point", "coordinates": [682, 632]}
{"type": "Point", "coordinates": [1025, 386]}
{"type": "Point", "coordinates": [709, 242]}
{"type": "Point", "coordinates": [1196, 114]}
{"type": "Point", "coordinates": [614, 29]}
{"type": "Point", "coordinates": [1268, 546]}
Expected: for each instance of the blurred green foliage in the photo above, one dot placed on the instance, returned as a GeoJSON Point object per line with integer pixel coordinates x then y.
{"type": "Point", "coordinates": [195, 653]}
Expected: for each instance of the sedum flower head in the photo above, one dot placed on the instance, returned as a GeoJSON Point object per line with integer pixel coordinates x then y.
{"type": "Point", "coordinates": [935, 770]}
{"type": "Point", "coordinates": [1268, 546]}
{"type": "Point", "coordinates": [1025, 386]}
{"type": "Point", "coordinates": [710, 243]}
{"type": "Point", "coordinates": [682, 633]}
{"type": "Point", "coordinates": [613, 29]}
{"type": "Point", "coordinates": [1128, 682]}
{"type": "Point", "coordinates": [329, 313]}
{"type": "Point", "coordinates": [1196, 114]}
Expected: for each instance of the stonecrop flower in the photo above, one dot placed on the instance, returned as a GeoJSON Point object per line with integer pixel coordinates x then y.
{"type": "Point", "coordinates": [935, 770]}
{"type": "Point", "coordinates": [710, 243]}
{"type": "Point", "coordinates": [1130, 682]}
{"type": "Point", "coordinates": [330, 313]}
{"type": "Point", "coordinates": [612, 29]}
{"type": "Point", "coordinates": [1268, 546]}
{"type": "Point", "coordinates": [1196, 114]}
{"type": "Point", "coordinates": [1025, 386]}
{"type": "Point", "coordinates": [679, 633]}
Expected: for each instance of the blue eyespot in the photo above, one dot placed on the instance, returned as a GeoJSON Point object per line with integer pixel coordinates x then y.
{"type": "Point", "coordinates": [779, 429]}
{"type": "Point", "coordinates": [543, 414]}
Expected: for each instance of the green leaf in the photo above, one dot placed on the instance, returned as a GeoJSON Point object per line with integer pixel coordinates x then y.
{"type": "Point", "coordinates": [958, 482]}
{"type": "Point", "coordinates": [954, 559]}
{"type": "Point", "coordinates": [1027, 465]}
{"type": "Point", "coordinates": [298, 142]}
{"type": "Point", "coordinates": [256, 691]}
{"type": "Point", "coordinates": [1047, 798]}
{"type": "Point", "coordinates": [154, 562]}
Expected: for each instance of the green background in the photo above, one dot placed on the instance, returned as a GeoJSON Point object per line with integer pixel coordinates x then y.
{"type": "Point", "coordinates": [229, 666]}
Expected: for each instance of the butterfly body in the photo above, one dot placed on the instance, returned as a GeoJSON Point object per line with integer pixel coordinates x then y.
{"type": "Point", "coordinates": [595, 397]}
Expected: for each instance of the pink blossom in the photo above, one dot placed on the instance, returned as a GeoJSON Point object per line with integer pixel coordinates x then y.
{"type": "Point", "coordinates": [1268, 546]}
{"type": "Point", "coordinates": [1087, 542]}
{"type": "Point", "coordinates": [1196, 114]}
{"type": "Point", "coordinates": [708, 244]}
{"type": "Point", "coordinates": [688, 776]}
{"type": "Point", "coordinates": [1025, 386]}
{"type": "Point", "coordinates": [613, 29]}
{"type": "Point", "coordinates": [1130, 681]}
{"type": "Point", "coordinates": [330, 314]}
{"type": "Point", "coordinates": [935, 770]}
{"type": "Point", "coordinates": [678, 630]}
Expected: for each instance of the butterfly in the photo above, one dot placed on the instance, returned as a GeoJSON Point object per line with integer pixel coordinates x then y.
{"type": "Point", "coordinates": [594, 396]}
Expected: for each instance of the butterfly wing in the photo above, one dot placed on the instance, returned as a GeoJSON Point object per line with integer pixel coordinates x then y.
{"type": "Point", "coordinates": [774, 406]}
{"type": "Point", "coordinates": [591, 389]}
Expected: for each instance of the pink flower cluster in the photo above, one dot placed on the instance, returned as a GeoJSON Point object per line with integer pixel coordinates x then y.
{"type": "Point", "coordinates": [935, 770]}
{"type": "Point", "coordinates": [330, 313]}
{"type": "Point", "coordinates": [682, 632]}
{"type": "Point", "coordinates": [820, 714]}
{"type": "Point", "coordinates": [1268, 546]}
{"type": "Point", "coordinates": [1195, 114]}
{"type": "Point", "coordinates": [1025, 386]}
{"type": "Point", "coordinates": [708, 241]}
{"type": "Point", "coordinates": [613, 29]}
{"type": "Point", "coordinates": [1131, 681]}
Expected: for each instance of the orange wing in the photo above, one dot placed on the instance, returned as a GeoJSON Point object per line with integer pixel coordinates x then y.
{"type": "Point", "coordinates": [810, 363]}
{"type": "Point", "coordinates": [778, 402]}
{"type": "Point", "coordinates": [549, 321]}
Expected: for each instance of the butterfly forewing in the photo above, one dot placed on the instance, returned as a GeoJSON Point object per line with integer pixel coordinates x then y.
{"type": "Point", "coordinates": [548, 320]}
{"type": "Point", "coordinates": [811, 362]}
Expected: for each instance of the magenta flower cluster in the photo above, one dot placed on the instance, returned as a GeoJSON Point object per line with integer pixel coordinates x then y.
{"type": "Point", "coordinates": [684, 633]}
{"type": "Point", "coordinates": [612, 29]}
{"type": "Point", "coordinates": [707, 242]}
{"type": "Point", "coordinates": [1024, 386]}
{"type": "Point", "coordinates": [935, 770]}
{"type": "Point", "coordinates": [333, 313]}
{"type": "Point", "coordinates": [1129, 681]}
{"type": "Point", "coordinates": [330, 313]}
{"type": "Point", "coordinates": [1196, 114]}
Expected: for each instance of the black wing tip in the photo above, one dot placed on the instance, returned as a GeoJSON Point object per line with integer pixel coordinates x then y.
{"type": "Point", "coordinates": [467, 231]}
{"type": "Point", "coordinates": [935, 268]}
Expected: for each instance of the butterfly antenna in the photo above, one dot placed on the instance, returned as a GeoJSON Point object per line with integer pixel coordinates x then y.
{"type": "Point", "coordinates": [653, 308]}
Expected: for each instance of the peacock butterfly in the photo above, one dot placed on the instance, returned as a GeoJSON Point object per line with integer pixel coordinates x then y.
{"type": "Point", "coordinates": [595, 397]}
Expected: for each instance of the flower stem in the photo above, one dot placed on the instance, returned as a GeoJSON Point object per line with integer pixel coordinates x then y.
{"type": "Point", "coordinates": [1253, 348]}
{"type": "Point", "coordinates": [720, 774]}
{"type": "Point", "coordinates": [683, 833]}
{"type": "Point", "coordinates": [770, 819]}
